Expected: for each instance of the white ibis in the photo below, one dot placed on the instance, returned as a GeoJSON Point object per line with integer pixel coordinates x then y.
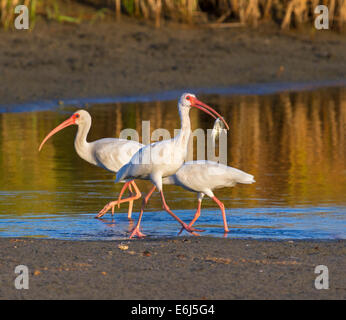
{"type": "Point", "coordinates": [108, 153]}
{"type": "Point", "coordinates": [205, 176]}
{"type": "Point", "coordinates": [163, 158]}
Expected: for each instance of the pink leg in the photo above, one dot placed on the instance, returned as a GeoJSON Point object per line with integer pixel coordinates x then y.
{"type": "Point", "coordinates": [149, 194]}
{"type": "Point", "coordinates": [129, 212]}
{"type": "Point", "coordinates": [197, 214]}
{"type": "Point", "coordinates": [123, 189]}
{"type": "Point", "coordinates": [135, 231]}
{"type": "Point", "coordinates": [112, 204]}
{"type": "Point", "coordinates": [183, 224]}
{"type": "Point", "coordinates": [222, 207]}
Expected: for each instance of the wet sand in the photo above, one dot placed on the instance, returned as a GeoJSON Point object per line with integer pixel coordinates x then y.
{"type": "Point", "coordinates": [57, 61]}
{"type": "Point", "coordinates": [176, 268]}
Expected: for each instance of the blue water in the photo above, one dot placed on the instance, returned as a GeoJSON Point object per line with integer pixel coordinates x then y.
{"type": "Point", "coordinates": [258, 223]}
{"type": "Point", "coordinates": [250, 89]}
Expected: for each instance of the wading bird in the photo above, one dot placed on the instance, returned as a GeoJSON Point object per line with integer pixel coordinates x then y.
{"type": "Point", "coordinates": [161, 159]}
{"type": "Point", "coordinates": [203, 177]}
{"type": "Point", "coordinates": [108, 153]}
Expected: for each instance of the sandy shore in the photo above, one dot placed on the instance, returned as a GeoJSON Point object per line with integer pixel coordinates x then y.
{"type": "Point", "coordinates": [178, 268]}
{"type": "Point", "coordinates": [57, 61]}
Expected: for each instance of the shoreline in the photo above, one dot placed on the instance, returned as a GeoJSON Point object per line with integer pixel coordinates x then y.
{"type": "Point", "coordinates": [250, 89]}
{"type": "Point", "coordinates": [59, 61]}
{"type": "Point", "coordinates": [177, 268]}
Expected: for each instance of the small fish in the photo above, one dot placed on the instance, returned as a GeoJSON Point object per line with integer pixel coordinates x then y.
{"type": "Point", "coordinates": [217, 129]}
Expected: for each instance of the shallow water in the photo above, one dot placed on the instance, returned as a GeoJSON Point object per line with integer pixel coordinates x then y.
{"type": "Point", "coordinates": [293, 143]}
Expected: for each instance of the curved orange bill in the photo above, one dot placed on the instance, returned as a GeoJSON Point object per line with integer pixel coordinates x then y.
{"type": "Point", "coordinates": [61, 126]}
{"type": "Point", "coordinates": [202, 106]}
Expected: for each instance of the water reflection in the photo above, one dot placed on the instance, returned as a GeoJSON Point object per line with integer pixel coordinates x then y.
{"type": "Point", "coordinates": [293, 143]}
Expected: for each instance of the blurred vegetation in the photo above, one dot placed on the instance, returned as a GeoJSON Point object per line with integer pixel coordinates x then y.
{"type": "Point", "coordinates": [220, 13]}
{"type": "Point", "coordinates": [49, 8]}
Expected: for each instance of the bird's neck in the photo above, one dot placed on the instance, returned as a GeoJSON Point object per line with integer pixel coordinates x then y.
{"type": "Point", "coordinates": [80, 142]}
{"type": "Point", "coordinates": [185, 131]}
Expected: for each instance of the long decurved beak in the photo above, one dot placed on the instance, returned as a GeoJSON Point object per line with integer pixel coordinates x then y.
{"type": "Point", "coordinates": [209, 110]}
{"type": "Point", "coordinates": [70, 121]}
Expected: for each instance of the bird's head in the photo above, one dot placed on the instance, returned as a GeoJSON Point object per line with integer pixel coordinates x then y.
{"type": "Point", "coordinates": [78, 118]}
{"type": "Point", "coordinates": [189, 100]}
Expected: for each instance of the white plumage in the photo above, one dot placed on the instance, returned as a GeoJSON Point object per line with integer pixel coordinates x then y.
{"type": "Point", "coordinates": [205, 176]}
{"type": "Point", "coordinates": [161, 159]}
{"type": "Point", "coordinates": [108, 153]}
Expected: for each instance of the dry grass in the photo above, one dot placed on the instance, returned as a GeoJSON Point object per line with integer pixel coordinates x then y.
{"type": "Point", "coordinates": [48, 8]}
{"type": "Point", "coordinates": [7, 11]}
{"type": "Point", "coordinates": [285, 13]}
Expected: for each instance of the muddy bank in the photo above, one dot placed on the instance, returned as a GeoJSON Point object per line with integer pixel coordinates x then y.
{"type": "Point", "coordinates": [178, 268]}
{"type": "Point", "coordinates": [60, 61]}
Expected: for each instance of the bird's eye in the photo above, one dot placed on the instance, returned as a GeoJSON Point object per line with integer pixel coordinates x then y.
{"type": "Point", "coordinates": [77, 115]}
{"type": "Point", "coordinates": [188, 98]}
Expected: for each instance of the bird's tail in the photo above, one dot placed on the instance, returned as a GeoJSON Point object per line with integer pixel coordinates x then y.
{"type": "Point", "coordinates": [122, 173]}
{"type": "Point", "coordinates": [239, 176]}
{"type": "Point", "coordinates": [246, 178]}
